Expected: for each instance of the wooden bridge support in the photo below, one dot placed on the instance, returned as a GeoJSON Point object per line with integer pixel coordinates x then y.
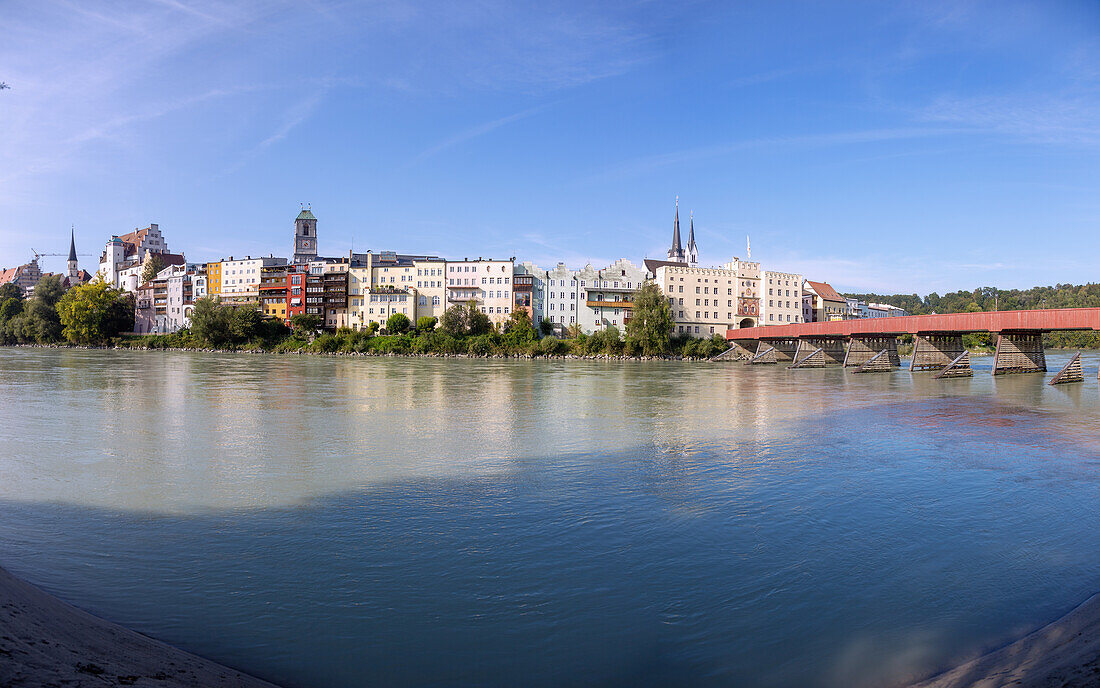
{"type": "Point", "coordinates": [879, 363]}
{"type": "Point", "coordinates": [736, 352]}
{"type": "Point", "coordinates": [934, 351]}
{"type": "Point", "coordinates": [765, 353]}
{"type": "Point", "coordinates": [958, 367]}
{"type": "Point", "coordinates": [1072, 372]}
{"type": "Point", "coordinates": [862, 349]}
{"type": "Point", "coordinates": [832, 349]}
{"type": "Point", "coordinates": [1019, 352]}
{"type": "Point", "coordinates": [812, 359]}
{"type": "Point", "coordinates": [785, 349]}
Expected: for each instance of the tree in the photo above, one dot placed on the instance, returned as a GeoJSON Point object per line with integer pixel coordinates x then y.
{"type": "Point", "coordinates": [40, 322]}
{"type": "Point", "coordinates": [398, 323]}
{"type": "Point", "coordinates": [651, 322]}
{"type": "Point", "coordinates": [217, 323]}
{"type": "Point", "coordinates": [426, 323]}
{"type": "Point", "coordinates": [477, 323]}
{"type": "Point", "coordinates": [518, 329]}
{"type": "Point", "coordinates": [154, 263]}
{"type": "Point", "coordinates": [94, 313]}
{"type": "Point", "coordinates": [9, 290]}
{"type": "Point", "coordinates": [305, 324]}
{"type": "Point", "coordinates": [453, 321]}
{"type": "Point", "coordinates": [546, 327]}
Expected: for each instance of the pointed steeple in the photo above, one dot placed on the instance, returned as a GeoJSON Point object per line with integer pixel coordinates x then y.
{"type": "Point", "coordinates": [692, 250]}
{"type": "Point", "coordinates": [71, 264]}
{"type": "Point", "coordinates": [676, 253]}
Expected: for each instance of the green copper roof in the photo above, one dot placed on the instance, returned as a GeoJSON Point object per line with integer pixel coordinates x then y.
{"type": "Point", "coordinates": [305, 215]}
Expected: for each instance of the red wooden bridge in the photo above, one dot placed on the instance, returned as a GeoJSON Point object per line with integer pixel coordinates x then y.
{"type": "Point", "coordinates": [870, 344]}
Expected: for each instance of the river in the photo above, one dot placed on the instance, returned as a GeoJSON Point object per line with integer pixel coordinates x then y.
{"type": "Point", "coordinates": [409, 522]}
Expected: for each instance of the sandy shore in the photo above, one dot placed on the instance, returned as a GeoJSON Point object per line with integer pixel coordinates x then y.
{"type": "Point", "coordinates": [45, 642]}
{"type": "Point", "coordinates": [1064, 654]}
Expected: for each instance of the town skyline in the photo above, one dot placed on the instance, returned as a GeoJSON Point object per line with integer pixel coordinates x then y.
{"type": "Point", "coordinates": [569, 140]}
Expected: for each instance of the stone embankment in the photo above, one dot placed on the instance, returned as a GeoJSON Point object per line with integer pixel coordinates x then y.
{"type": "Point", "coordinates": [46, 642]}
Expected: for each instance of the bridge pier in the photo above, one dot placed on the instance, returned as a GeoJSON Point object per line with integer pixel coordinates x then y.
{"type": "Point", "coordinates": [827, 350]}
{"type": "Point", "coordinates": [785, 349]}
{"type": "Point", "coordinates": [864, 348]}
{"type": "Point", "coordinates": [1071, 372]}
{"type": "Point", "coordinates": [935, 351]}
{"type": "Point", "coordinates": [959, 367]}
{"type": "Point", "coordinates": [736, 352]}
{"type": "Point", "coordinates": [1019, 352]}
{"type": "Point", "coordinates": [765, 353]}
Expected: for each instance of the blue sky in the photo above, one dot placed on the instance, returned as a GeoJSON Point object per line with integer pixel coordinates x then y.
{"type": "Point", "coordinates": [891, 147]}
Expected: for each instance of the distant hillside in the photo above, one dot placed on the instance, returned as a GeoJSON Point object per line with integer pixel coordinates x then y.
{"type": "Point", "coordinates": [989, 298]}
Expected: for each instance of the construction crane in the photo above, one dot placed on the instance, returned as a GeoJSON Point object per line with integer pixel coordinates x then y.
{"type": "Point", "coordinates": [38, 255]}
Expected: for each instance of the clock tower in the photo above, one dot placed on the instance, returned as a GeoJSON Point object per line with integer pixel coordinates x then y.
{"type": "Point", "coordinates": [305, 237]}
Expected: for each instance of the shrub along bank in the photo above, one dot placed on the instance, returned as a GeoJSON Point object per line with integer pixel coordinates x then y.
{"type": "Point", "coordinates": [463, 330]}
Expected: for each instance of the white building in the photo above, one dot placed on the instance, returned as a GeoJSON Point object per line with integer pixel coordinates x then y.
{"type": "Point", "coordinates": [240, 277]}
{"type": "Point", "coordinates": [561, 298]}
{"type": "Point", "coordinates": [488, 283]}
{"type": "Point", "coordinates": [121, 262]}
{"type": "Point", "coordinates": [608, 293]}
{"type": "Point", "coordinates": [781, 298]}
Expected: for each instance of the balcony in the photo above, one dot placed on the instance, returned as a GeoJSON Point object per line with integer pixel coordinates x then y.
{"type": "Point", "coordinates": [609, 304]}
{"type": "Point", "coordinates": [523, 282]}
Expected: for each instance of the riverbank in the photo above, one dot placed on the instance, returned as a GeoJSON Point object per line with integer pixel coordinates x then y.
{"type": "Point", "coordinates": [46, 642]}
{"type": "Point", "coordinates": [1065, 653]}
{"type": "Point", "coordinates": [306, 351]}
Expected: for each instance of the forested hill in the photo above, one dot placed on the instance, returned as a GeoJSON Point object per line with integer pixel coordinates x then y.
{"type": "Point", "coordinates": [989, 299]}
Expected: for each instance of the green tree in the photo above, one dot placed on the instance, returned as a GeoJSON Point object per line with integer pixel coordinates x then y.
{"type": "Point", "coordinates": [398, 323]}
{"type": "Point", "coordinates": [453, 321]}
{"type": "Point", "coordinates": [154, 263]}
{"type": "Point", "coordinates": [39, 321]}
{"type": "Point", "coordinates": [477, 323]}
{"type": "Point", "coordinates": [93, 313]}
{"type": "Point", "coordinates": [305, 324]}
{"type": "Point", "coordinates": [218, 324]}
{"type": "Point", "coordinates": [651, 323]}
{"type": "Point", "coordinates": [426, 323]}
{"type": "Point", "coordinates": [8, 290]}
{"type": "Point", "coordinates": [519, 330]}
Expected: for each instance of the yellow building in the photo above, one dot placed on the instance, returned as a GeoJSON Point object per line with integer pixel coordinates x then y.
{"type": "Point", "coordinates": [272, 291]}
{"type": "Point", "coordinates": [214, 280]}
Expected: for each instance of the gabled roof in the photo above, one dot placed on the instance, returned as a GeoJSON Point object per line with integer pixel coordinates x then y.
{"type": "Point", "coordinates": [652, 265]}
{"type": "Point", "coordinates": [825, 291]}
{"type": "Point", "coordinates": [305, 215]}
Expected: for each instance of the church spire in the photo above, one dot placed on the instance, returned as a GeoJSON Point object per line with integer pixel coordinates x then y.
{"type": "Point", "coordinates": [71, 264]}
{"type": "Point", "coordinates": [692, 250]}
{"type": "Point", "coordinates": [676, 253]}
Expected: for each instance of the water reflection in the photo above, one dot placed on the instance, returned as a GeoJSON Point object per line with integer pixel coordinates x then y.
{"type": "Point", "coordinates": [408, 522]}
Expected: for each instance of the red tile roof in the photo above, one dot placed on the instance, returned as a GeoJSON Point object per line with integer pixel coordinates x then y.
{"type": "Point", "coordinates": [825, 291]}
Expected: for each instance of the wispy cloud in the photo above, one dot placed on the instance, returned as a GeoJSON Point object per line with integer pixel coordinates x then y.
{"type": "Point", "coordinates": [653, 162]}
{"type": "Point", "coordinates": [473, 133]}
{"type": "Point", "coordinates": [1033, 117]}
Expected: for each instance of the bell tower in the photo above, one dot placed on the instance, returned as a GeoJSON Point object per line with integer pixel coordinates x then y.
{"type": "Point", "coordinates": [305, 237]}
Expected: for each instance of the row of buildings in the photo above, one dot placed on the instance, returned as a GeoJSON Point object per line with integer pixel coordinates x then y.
{"type": "Point", "coordinates": [359, 289]}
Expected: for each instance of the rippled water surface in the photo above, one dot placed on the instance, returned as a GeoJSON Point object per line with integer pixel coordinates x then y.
{"type": "Point", "coordinates": [408, 522]}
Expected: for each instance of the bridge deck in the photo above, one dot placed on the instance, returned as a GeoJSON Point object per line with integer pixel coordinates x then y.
{"type": "Point", "coordinates": [1042, 320]}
